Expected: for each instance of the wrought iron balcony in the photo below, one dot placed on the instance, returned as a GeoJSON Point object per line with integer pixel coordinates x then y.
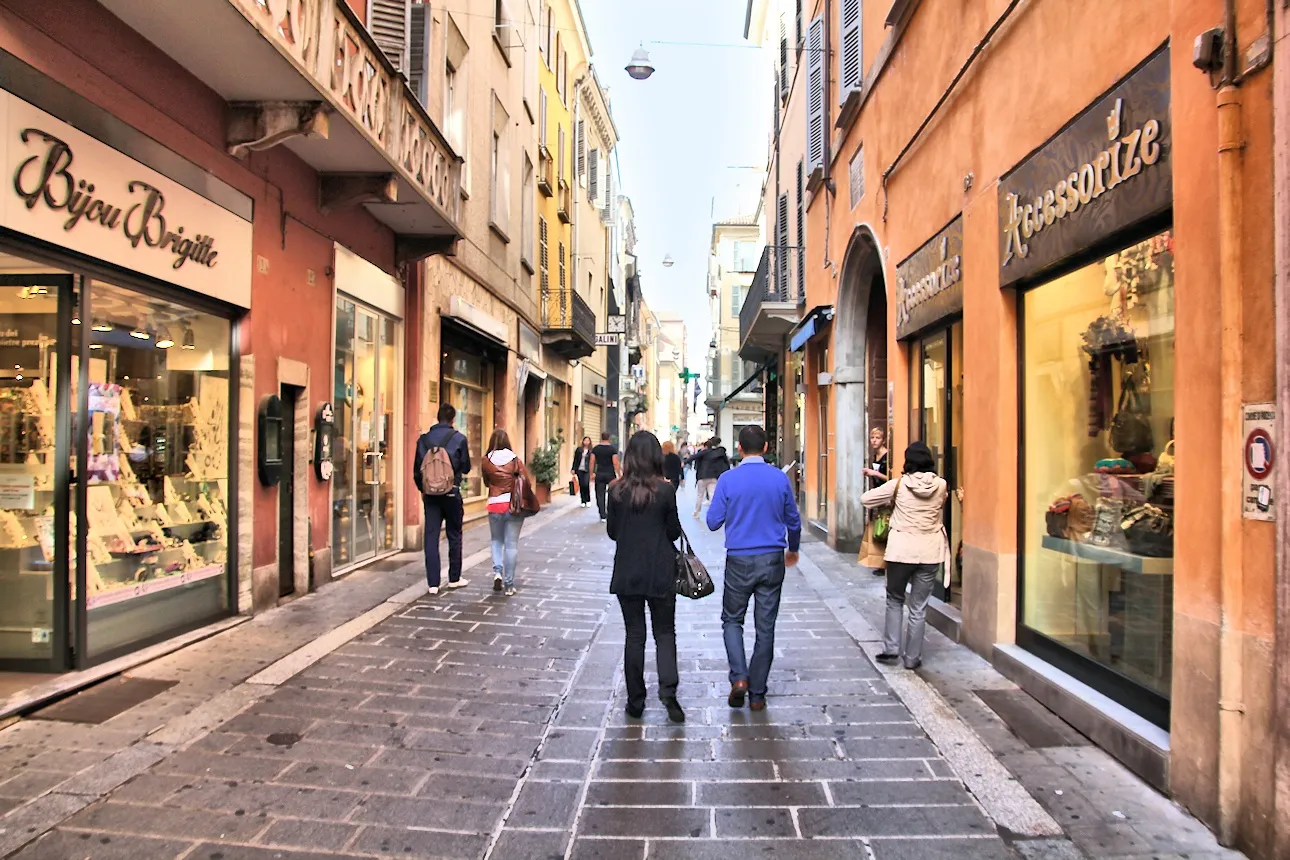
{"type": "Point", "coordinates": [568, 324]}
{"type": "Point", "coordinates": [771, 306]}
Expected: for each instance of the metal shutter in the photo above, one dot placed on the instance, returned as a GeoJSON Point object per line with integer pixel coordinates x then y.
{"type": "Point", "coordinates": [388, 22]}
{"type": "Point", "coordinates": [593, 420]}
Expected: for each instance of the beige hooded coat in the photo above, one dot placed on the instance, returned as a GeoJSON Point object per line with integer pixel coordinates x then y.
{"type": "Point", "coordinates": [917, 523]}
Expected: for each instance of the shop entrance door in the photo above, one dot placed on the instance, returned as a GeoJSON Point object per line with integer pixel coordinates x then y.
{"type": "Point", "coordinates": [287, 495]}
{"type": "Point", "coordinates": [35, 446]}
{"type": "Point", "coordinates": [364, 504]}
{"type": "Point", "coordinates": [939, 425]}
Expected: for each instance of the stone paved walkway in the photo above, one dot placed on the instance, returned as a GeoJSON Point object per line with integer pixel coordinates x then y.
{"type": "Point", "coordinates": [470, 725]}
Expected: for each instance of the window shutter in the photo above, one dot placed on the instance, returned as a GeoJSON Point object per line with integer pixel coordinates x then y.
{"type": "Point", "coordinates": [593, 177]}
{"type": "Point", "coordinates": [852, 68]}
{"type": "Point", "coordinates": [783, 59]}
{"type": "Point", "coordinates": [544, 257]}
{"type": "Point", "coordinates": [419, 51]}
{"type": "Point", "coordinates": [563, 280]}
{"type": "Point", "coordinates": [542, 117]}
{"type": "Point", "coordinates": [815, 118]}
{"type": "Point", "coordinates": [797, 27]}
{"type": "Point", "coordinates": [801, 227]}
{"type": "Point", "coordinates": [559, 155]}
{"type": "Point", "coordinates": [388, 23]}
{"type": "Point", "coordinates": [580, 145]}
{"type": "Point", "coordinates": [781, 252]}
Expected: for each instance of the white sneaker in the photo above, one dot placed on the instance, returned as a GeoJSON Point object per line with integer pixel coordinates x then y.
{"type": "Point", "coordinates": [510, 592]}
{"type": "Point", "coordinates": [461, 583]}
{"type": "Point", "coordinates": [434, 589]}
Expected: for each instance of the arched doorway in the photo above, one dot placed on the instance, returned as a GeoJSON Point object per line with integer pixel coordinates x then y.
{"type": "Point", "coordinates": [859, 380]}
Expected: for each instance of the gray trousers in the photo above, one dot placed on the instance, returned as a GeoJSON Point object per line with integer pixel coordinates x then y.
{"type": "Point", "coordinates": [899, 575]}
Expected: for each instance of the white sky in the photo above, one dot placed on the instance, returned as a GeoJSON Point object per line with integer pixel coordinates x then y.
{"type": "Point", "coordinates": [705, 110]}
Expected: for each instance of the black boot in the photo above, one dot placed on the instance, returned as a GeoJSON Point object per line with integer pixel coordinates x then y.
{"type": "Point", "coordinates": [674, 712]}
{"type": "Point", "coordinates": [635, 711]}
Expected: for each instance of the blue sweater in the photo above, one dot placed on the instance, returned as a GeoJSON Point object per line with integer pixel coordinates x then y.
{"type": "Point", "coordinates": [754, 501]}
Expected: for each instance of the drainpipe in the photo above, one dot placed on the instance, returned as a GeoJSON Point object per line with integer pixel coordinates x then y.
{"type": "Point", "coordinates": [1231, 702]}
{"type": "Point", "coordinates": [1281, 301]}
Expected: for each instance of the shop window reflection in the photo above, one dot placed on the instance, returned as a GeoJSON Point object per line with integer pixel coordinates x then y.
{"type": "Point", "coordinates": [1099, 456]}
{"type": "Point", "coordinates": [157, 459]}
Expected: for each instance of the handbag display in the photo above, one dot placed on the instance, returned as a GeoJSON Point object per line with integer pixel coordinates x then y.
{"type": "Point", "coordinates": [881, 518]}
{"type": "Point", "coordinates": [524, 502]}
{"type": "Point", "coordinates": [1130, 430]}
{"type": "Point", "coordinates": [1149, 532]}
{"type": "Point", "coordinates": [692, 578]}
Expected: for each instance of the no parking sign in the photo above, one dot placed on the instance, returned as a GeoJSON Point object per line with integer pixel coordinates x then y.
{"type": "Point", "coordinates": [1258, 501]}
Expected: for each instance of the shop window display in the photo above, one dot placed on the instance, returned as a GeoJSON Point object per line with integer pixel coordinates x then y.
{"type": "Point", "coordinates": [364, 458]}
{"type": "Point", "coordinates": [468, 379]}
{"type": "Point", "coordinates": [28, 391]}
{"type": "Point", "coordinates": [1098, 368]}
{"type": "Point", "coordinates": [157, 461]}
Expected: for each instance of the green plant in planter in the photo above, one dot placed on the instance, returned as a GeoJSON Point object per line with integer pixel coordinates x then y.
{"type": "Point", "coordinates": [545, 462]}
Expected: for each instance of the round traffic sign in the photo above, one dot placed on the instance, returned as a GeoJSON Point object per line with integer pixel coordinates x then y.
{"type": "Point", "coordinates": [1259, 454]}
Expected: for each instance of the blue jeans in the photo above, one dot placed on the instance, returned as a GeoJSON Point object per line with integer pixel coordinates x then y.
{"type": "Point", "coordinates": [759, 577]}
{"type": "Point", "coordinates": [505, 532]}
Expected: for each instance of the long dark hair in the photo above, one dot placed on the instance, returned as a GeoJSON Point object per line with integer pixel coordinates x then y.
{"type": "Point", "coordinates": [642, 471]}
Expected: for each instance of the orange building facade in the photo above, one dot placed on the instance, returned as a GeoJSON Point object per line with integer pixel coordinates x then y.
{"type": "Point", "coordinates": [1045, 235]}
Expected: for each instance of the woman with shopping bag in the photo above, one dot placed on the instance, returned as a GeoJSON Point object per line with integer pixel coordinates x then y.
{"type": "Point", "coordinates": [917, 550]}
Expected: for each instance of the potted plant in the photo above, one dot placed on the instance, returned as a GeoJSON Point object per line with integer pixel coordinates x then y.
{"type": "Point", "coordinates": [544, 466]}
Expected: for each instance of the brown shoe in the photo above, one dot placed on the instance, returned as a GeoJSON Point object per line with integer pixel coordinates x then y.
{"type": "Point", "coordinates": [738, 690]}
{"type": "Point", "coordinates": [757, 705]}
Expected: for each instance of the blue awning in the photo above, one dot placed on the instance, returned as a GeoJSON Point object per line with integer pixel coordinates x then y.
{"type": "Point", "coordinates": [805, 333]}
{"type": "Point", "coordinates": [811, 325]}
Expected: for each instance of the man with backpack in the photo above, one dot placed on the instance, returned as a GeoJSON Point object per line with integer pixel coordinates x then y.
{"type": "Point", "coordinates": [442, 460]}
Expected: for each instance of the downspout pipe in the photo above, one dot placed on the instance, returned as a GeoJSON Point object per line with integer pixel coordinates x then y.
{"type": "Point", "coordinates": [1231, 206]}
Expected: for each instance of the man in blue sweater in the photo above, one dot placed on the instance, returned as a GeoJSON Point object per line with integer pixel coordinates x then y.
{"type": "Point", "coordinates": [754, 501]}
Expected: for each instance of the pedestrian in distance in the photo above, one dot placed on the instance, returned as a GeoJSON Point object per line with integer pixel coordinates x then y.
{"type": "Point", "coordinates": [916, 549]}
{"type": "Point", "coordinates": [442, 460]}
{"type": "Point", "coordinates": [673, 469]}
{"type": "Point", "coordinates": [500, 467]}
{"type": "Point", "coordinates": [605, 459]}
{"type": "Point", "coordinates": [755, 503]}
{"type": "Point", "coordinates": [877, 472]}
{"type": "Point", "coordinates": [582, 470]}
{"type": "Point", "coordinates": [643, 521]}
{"type": "Point", "coordinates": [709, 465]}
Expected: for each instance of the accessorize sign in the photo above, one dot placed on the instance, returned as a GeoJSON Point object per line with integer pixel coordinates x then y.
{"type": "Point", "coordinates": [70, 189]}
{"type": "Point", "coordinates": [1108, 170]}
{"type": "Point", "coordinates": [929, 284]}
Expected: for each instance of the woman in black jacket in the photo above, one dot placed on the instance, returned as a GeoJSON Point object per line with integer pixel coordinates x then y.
{"type": "Point", "coordinates": [644, 522]}
{"type": "Point", "coordinates": [581, 470]}
{"type": "Point", "coordinates": [673, 468]}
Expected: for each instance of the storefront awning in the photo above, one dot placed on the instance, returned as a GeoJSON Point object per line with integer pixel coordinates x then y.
{"type": "Point", "coordinates": [811, 325]}
{"type": "Point", "coordinates": [752, 377]}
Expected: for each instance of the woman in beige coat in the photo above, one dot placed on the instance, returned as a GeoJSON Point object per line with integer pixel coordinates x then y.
{"type": "Point", "coordinates": [916, 548]}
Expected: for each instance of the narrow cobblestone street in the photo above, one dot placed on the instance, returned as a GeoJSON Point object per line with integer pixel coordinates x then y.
{"type": "Point", "coordinates": [472, 725]}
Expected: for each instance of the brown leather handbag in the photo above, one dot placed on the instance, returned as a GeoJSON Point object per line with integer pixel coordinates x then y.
{"type": "Point", "coordinates": [524, 502]}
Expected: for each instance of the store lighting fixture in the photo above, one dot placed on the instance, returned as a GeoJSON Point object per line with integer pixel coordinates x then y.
{"type": "Point", "coordinates": [668, 262]}
{"type": "Point", "coordinates": [189, 341]}
{"type": "Point", "coordinates": [76, 320]}
{"type": "Point", "coordinates": [101, 326]}
{"type": "Point", "coordinates": [96, 346]}
{"type": "Point", "coordinates": [165, 341]}
{"type": "Point", "coordinates": [141, 331]}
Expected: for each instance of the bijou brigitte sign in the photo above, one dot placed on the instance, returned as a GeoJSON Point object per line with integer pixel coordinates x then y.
{"type": "Point", "coordinates": [72, 190]}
